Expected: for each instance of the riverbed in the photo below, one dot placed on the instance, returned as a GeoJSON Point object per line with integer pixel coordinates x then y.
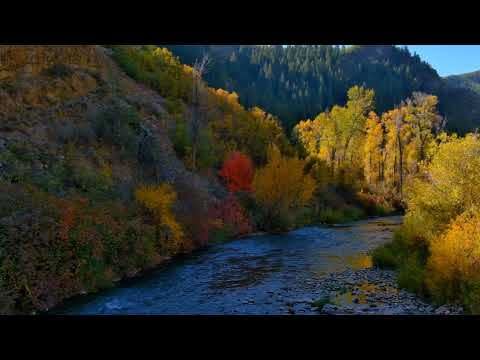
{"type": "Point", "coordinates": [258, 275]}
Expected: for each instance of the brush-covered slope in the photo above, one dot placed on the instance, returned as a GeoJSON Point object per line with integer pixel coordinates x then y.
{"type": "Point", "coordinates": [109, 166]}
{"type": "Point", "coordinates": [91, 188]}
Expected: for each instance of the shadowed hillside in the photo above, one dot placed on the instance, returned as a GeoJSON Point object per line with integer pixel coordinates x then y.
{"type": "Point", "coordinates": [298, 82]}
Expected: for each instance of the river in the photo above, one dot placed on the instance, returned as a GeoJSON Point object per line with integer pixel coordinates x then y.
{"type": "Point", "coordinates": [264, 274]}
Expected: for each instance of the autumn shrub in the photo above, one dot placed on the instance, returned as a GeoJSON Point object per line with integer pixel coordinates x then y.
{"type": "Point", "coordinates": [238, 172]}
{"type": "Point", "coordinates": [35, 261]}
{"type": "Point", "coordinates": [282, 188]}
{"type": "Point", "coordinates": [192, 212]}
{"type": "Point", "coordinates": [454, 264]}
{"type": "Point", "coordinates": [227, 218]}
{"type": "Point", "coordinates": [53, 248]}
{"type": "Point", "coordinates": [159, 200]}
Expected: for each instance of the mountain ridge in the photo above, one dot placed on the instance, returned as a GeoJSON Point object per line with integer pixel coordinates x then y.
{"type": "Point", "coordinates": [298, 82]}
{"type": "Point", "coordinates": [470, 80]}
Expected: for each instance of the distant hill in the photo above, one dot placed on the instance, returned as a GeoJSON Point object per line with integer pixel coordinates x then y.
{"type": "Point", "coordinates": [297, 82]}
{"type": "Point", "coordinates": [468, 81]}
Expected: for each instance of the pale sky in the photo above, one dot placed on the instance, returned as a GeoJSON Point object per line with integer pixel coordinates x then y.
{"type": "Point", "coordinates": [449, 59]}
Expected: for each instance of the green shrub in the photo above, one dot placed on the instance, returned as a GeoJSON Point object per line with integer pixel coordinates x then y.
{"type": "Point", "coordinates": [220, 235]}
{"type": "Point", "coordinates": [411, 274]}
{"type": "Point", "coordinates": [305, 217]}
{"type": "Point", "coordinates": [206, 156]}
{"type": "Point", "coordinates": [353, 214]}
{"type": "Point", "coordinates": [119, 125]}
{"type": "Point", "coordinates": [54, 180]}
{"type": "Point", "coordinates": [386, 256]}
{"type": "Point", "coordinates": [339, 216]}
{"type": "Point", "coordinates": [90, 181]}
{"type": "Point", "coordinates": [156, 67]}
{"type": "Point", "coordinates": [331, 216]}
{"type": "Point", "coordinates": [181, 138]}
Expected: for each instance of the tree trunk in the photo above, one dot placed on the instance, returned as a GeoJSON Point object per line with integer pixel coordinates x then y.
{"type": "Point", "coordinates": [400, 162]}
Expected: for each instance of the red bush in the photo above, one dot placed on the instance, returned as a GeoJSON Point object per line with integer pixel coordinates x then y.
{"type": "Point", "coordinates": [238, 172]}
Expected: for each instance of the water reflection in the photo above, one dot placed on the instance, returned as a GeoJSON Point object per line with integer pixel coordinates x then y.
{"type": "Point", "coordinates": [244, 271]}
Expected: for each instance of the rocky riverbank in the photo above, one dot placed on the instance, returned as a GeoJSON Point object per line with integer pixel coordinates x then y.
{"type": "Point", "coordinates": [373, 292]}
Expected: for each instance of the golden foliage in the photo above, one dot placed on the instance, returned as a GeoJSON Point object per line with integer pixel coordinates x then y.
{"type": "Point", "coordinates": [249, 131]}
{"type": "Point", "coordinates": [337, 136]}
{"type": "Point", "coordinates": [159, 200]}
{"type": "Point", "coordinates": [450, 186]}
{"type": "Point", "coordinates": [439, 242]}
{"type": "Point", "coordinates": [455, 257]}
{"type": "Point", "coordinates": [282, 186]}
{"type": "Point", "coordinates": [374, 150]}
{"type": "Point", "coordinates": [388, 150]}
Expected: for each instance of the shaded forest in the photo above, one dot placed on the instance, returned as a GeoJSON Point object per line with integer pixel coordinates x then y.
{"type": "Point", "coordinates": [298, 82]}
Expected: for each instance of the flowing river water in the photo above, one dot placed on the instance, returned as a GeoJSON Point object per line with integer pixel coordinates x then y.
{"type": "Point", "coordinates": [265, 274]}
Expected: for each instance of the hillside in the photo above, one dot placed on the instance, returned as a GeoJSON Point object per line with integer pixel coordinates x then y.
{"type": "Point", "coordinates": [298, 82]}
{"type": "Point", "coordinates": [468, 81]}
{"type": "Point", "coordinates": [80, 141]}
{"type": "Point", "coordinates": [113, 159]}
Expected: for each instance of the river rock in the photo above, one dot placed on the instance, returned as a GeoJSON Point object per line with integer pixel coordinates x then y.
{"type": "Point", "coordinates": [384, 299]}
{"type": "Point", "coordinates": [329, 309]}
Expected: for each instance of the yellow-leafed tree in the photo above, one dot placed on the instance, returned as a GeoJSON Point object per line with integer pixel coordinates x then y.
{"type": "Point", "coordinates": [374, 150]}
{"type": "Point", "coordinates": [159, 200]}
{"type": "Point", "coordinates": [281, 187]}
